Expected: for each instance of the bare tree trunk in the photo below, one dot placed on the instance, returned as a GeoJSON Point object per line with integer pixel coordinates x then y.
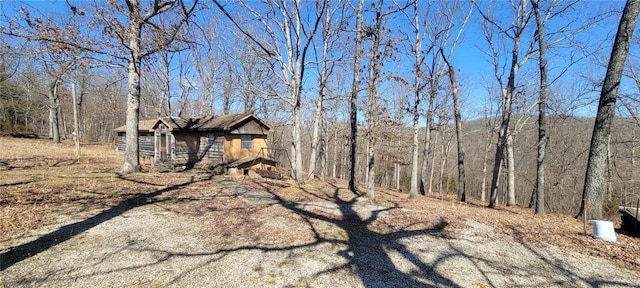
{"type": "Point", "coordinates": [323, 150]}
{"type": "Point", "coordinates": [518, 27]}
{"type": "Point", "coordinates": [500, 147]}
{"type": "Point", "coordinates": [593, 185]}
{"type": "Point", "coordinates": [317, 119]}
{"type": "Point", "coordinates": [80, 107]}
{"type": "Point", "coordinates": [134, 35]}
{"type": "Point", "coordinates": [433, 166]}
{"type": "Point", "coordinates": [63, 131]}
{"type": "Point", "coordinates": [443, 162]}
{"type": "Point", "coordinates": [426, 153]}
{"type": "Point", "coordinates": [633, 165]}
{"type": "Point", "coordinates": [296, 149]}
{"type": "Point", "coordinates": [396, 174]}
{"type": "Point", "coordinates": [226, 94]}
{"type": "Point", "coordinates": [542, 107]}
{"type": "Point", "coordinates": [353, 108]}
{"type": "Point", "coordinates": [52, 95]}
{"type": "Point", "coordinates": [358, 172]}
{"type": "Point", "coordinates": [324, 74]}
{"type": "Point", "coordinates": [609, 169]}
{"type": "Point", "coordinates": [164, 109]}
{"type": "Point", "coordinates": [335, 154]}
{"type": "Point", "coordinates": [511, 173]}
{"type": "Point", "coordinates": [372, 110]}
{"type": "Point", "coordinates": [504, 125]}
{"type": "Point", "coordinates": [416, 103]}
{"type": "Point", "coordinates": [343, 160]}
{"type": "Point", "coordinates": [370, 173]}
{"type": "Point", "coordinates": [487, 146]}
{"type": "Point", "coordinates": [462, 196]}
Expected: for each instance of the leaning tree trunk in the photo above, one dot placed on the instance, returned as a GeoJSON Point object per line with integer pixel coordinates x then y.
{"type": "Point", "coordinates": [504, 125]}
{"type": "Point", "coordinates": [462, 195]}
{"type": "Point", "coordinates": [596, 165]}
{"type": "Point", "coordinates": [508, 95]}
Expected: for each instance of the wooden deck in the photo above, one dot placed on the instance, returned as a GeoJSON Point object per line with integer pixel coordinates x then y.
{"type": "Point", "coordinates": [630, 221]}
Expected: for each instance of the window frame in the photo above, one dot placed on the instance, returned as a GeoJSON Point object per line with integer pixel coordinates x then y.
{"type": "Point", "coordinates": [246, 142]}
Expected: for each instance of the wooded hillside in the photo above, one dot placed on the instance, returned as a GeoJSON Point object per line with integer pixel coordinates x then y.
{"type": "Point", "coordinates": [375, 92]}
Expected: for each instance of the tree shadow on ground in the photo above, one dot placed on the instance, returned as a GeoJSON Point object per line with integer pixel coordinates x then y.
{"type": "Point", "coordinates": [368, 251]}
{"type": "Point", "coordinates": [66, 232]}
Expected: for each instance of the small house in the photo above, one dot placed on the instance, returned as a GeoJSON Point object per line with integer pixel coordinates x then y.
{"type": "Point", "coordinates": [233, 141]}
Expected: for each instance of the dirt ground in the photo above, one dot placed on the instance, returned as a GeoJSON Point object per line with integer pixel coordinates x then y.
{"type": "Point", "coordinates": [77, 222]}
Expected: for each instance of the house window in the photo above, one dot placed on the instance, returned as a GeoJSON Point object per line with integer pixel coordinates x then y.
{"type": "Point", "coordinates": [247, 142]}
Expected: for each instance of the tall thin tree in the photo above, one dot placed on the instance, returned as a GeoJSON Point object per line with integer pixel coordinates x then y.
{"type": "Point", "coordinates": [353, 98]}
{"type": "Point", "coordinates": [462, 194]}
{"type": "Point", "coordinates": [542, 107]}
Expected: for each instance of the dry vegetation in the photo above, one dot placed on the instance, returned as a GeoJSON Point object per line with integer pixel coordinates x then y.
{"type": "Point", "coordinates": [44, 184]}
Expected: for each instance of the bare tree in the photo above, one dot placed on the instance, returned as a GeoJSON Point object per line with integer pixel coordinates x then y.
{"type": "Point", "coordinates": [455, 94]}
{"type": "Point", "coordinates": [288, 36]}
{"type": "Point", "coordinates": [126, 41]}
{"type": "Point", "coordinates": [353, 98]}
{"type": "Point", "coordinates": [57, 61]}
{"type": "Point", "coordinates": [542, 107]}
{"type": "Point", "coordinates": [514, 32]}
{"type": "Point", "coordinates": [56, 70]}
{"type": "Point", "coordinates": [462, 196]}
{"type": "Point", "coordinates": [372, 109]}
{"type": "Point", "coordinates": [596, 166]}
{"type": "Point", "coordinates": [557, 37]}
{"type": "Point", "coordinates": [326, 66]}
{"type": "Point", "coordinates": [137, 19]}
{"type": "Point", "coordinates": [438, 34]}
{"type": "Point", "coordinates": [418, 86]}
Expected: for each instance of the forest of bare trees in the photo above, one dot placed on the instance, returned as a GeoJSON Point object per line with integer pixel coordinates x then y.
{"type": "Point", "coordinates": [489, 100]}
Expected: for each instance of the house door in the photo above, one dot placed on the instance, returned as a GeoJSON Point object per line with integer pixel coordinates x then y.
{"type": "Point", "coordinates": [163, 147]}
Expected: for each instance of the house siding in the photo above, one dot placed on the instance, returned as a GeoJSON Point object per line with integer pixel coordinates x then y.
{"type": "Point", "coordinates": [145, 143]}
{"type": "Point", "coordinates": [186, 148]}
{"type": "Point", "coordinates": [211, 148]}
{"type": "Point", "coordinates": [233, 147]}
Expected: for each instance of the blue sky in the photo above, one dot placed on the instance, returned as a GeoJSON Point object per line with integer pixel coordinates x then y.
{"type": "Point", "coordinates": [474, 67]}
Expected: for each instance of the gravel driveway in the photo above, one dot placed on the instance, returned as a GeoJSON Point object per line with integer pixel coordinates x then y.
{"type": "Point", "coordinates": [204, 242]}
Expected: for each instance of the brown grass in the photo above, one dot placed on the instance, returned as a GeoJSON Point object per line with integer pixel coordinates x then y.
{"type": "Point", "coordinates": [41, 183]}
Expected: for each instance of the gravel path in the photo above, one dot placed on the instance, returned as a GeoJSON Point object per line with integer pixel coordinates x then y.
{"type": "Point", "coordinates": [160, 245]}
